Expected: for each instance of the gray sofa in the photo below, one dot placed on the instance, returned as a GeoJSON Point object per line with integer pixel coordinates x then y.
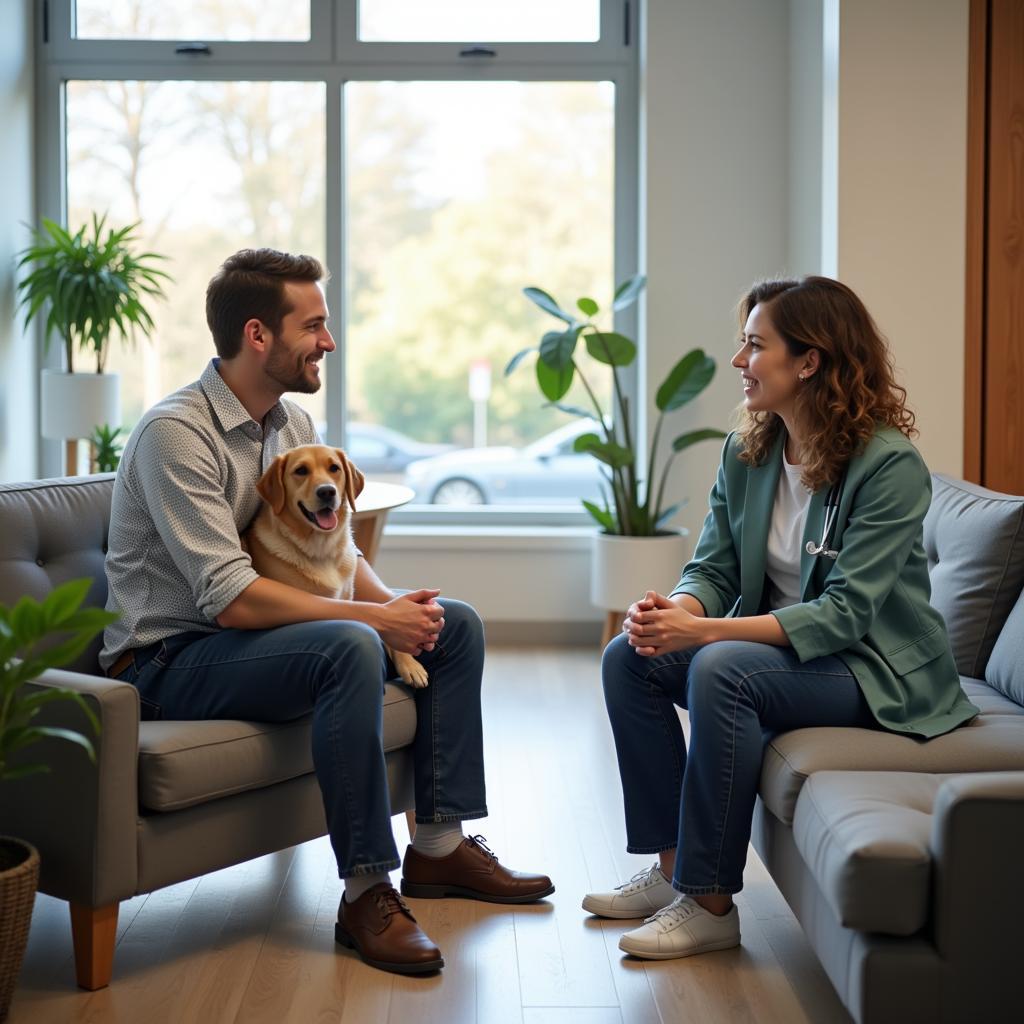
{"type": "Point", "coordinates": [166, 801]}
{"type": "Point", "coordinates": [902, 859]}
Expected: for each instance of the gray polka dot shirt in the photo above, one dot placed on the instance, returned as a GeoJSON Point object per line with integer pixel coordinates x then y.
{"type": "Point", "coordinates": [185, 489]}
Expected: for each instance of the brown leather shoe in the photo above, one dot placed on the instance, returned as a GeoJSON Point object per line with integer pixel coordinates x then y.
{"type": "Point", "coordinates": [380, 927]}
{"type": "Point", "coordinates": [471, 871]}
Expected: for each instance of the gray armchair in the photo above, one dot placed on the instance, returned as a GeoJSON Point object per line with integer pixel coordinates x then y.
{"type": "Point", "coordinates": [165, 801]}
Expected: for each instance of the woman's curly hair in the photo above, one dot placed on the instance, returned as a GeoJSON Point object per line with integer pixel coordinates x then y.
{"type": "Point", "coordinates": [854, 389]}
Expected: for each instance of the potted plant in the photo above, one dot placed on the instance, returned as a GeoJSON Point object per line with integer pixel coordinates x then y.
{"type": "Point", "coordinates": [90, 283]}
{"type": "Point", "coordinates": [34, 636]}
{"type": "Point", "coordinates": [634, 502]}
{"type": "Point", "coordinates": [106, 448]}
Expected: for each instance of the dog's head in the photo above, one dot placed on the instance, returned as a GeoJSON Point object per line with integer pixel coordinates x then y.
{"type": "Point", "coordinates": [306, 487]}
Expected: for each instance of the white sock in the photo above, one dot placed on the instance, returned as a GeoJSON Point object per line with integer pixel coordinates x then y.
{"type": "Point", "coordinates": [358, 884]}
{"type": "Point", "coordinates": [438, 839]}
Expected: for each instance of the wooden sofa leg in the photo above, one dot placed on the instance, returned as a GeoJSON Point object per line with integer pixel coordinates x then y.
{"type": "Point", "coordinates": [612, 627]}
{"type": "Point", "coordinates": [93, 932]}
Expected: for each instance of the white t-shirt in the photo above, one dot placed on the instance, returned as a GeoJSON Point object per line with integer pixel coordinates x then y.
{"type": "Point", "coordinates": [785, 537]}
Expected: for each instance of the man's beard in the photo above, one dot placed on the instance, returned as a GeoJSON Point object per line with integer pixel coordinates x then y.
{"type": "Point", "coordinates": [282, 370]}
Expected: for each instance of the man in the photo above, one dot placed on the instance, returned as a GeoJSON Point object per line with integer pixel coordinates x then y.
{"type": "Point", "coordinates": [201, 635]}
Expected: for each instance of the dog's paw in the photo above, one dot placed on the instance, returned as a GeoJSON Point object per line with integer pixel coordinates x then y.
{"type": "Point", "coordinates": [411, 671]}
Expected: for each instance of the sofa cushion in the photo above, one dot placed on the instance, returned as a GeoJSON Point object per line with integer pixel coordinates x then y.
{"type": "Point", "coordinates": [864, 836]}
{"type": "Point", "coordinates": [186, 763]}
{"type": "Point", "coordinates": [974, 539]}
{"type": "Point", "coordinates": [992, 742]}
{"type": "Point", "coordinates": [1005, 669]}
{"type": "Point", "coordinates": [988, 699]}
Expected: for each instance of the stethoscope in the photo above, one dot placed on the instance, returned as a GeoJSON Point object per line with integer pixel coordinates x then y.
{"type": "Point", "coordinates": [831, 511]}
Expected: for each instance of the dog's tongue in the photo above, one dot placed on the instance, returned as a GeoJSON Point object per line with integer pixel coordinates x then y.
{"type": "Point", "coordinates": [327, 519]}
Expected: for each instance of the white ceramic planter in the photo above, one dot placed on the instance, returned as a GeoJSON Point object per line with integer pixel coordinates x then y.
{"type": "Point", "coordinates": [623, 568]}
{"type": "Point", "coordinates": [75, 404]}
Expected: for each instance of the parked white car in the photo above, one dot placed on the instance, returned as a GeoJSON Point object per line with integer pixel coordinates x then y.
{"type": "Point", "coordinates": [546, 472]}
{"type": "Point", "coordinates": [378, 450]}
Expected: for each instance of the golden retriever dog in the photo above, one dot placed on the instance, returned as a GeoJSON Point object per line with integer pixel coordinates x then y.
{"type": "Point", "coordinates": [302, 533]}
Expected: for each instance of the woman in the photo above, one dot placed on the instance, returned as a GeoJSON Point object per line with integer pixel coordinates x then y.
{"type": "Point", "coordinates": [805, 604]}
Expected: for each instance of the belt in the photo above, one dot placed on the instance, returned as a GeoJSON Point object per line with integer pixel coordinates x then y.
{"type": "Point", "coordinates": [126, 659]}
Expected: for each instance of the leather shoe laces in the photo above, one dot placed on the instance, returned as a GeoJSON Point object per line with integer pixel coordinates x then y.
{"type": "Point", "coordinates": [482, 843]}
{"type": "Point", "coordinates": [390, 902]}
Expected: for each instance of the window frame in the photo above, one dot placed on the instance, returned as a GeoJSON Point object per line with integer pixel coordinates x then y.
{"type": "Point", "coordinates": [335, 56]}
{"type": "Point", "coordinates": [57, 29]}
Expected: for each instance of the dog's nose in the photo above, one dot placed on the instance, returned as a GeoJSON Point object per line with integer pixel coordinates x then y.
{"type": "Point", "coordinates": [327, 492]}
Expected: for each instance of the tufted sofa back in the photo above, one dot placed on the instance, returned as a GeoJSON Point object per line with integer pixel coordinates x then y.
{"type": "Point", "coordinates": [52, 531]}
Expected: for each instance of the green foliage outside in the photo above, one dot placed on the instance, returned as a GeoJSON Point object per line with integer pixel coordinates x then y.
{"type": "Point", "coordinates": [255, 155]}
{"type": "Point", "coordinates": [433, 275]}
{"type": "Point", "coordinates": [450, 295]}
{"type": "Point", "coordinates": [36, 636]}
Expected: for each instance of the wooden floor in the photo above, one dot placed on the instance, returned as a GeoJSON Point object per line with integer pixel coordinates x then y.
{"type": "Point", "coordinates": [254, 943]}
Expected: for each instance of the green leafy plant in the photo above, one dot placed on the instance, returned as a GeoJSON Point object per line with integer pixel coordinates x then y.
{"type": "Point", "coordinates": [36, 636]}
{"type": "Point", "coordinates": [106, 447]}
{"type": "Point", "coordinates": [93, 282]}
{"type": "Point", "coordinates": [633, 504]}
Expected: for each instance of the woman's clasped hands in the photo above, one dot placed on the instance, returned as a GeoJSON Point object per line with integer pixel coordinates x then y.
{"type": "Point", "coordinates": [658, 625]}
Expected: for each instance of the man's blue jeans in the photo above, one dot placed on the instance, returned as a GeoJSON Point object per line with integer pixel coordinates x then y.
{"type": "Point", "coordinates": [738, 695]}
{"type": "Point", "coordinates": [336, 670]}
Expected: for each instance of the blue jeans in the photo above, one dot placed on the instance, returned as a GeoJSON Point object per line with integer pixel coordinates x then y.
{"type": "Point", "coordinates": [738, 695]}
{"type": "Point", "coordinates": [336, 670]}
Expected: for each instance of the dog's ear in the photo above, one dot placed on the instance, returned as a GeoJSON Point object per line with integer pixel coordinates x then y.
{"type": "Point", "coordinates": [354, 480]}
{"type": "Point", "coordinates": [271, 485]}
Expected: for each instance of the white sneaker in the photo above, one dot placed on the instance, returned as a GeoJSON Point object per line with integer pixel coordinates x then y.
{"type": "Point", "coordinates": [682, 929]}
{"type": "Point", "coordinates": [643, 894]}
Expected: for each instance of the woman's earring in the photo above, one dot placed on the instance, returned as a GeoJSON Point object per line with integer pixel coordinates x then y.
{"type": "Point", "coordinates": [801, 376]}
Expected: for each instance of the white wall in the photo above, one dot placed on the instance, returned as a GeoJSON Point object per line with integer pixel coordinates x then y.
{"type": "Point", "coordinates": [861, 174]}
{"type": "Point", "coordinates": [540, 577]}
{"type": "Point", "coordinates": [18, 417]}
{"type": "Point", "coordinates": [718, 185]}
{"type": "Point", "coordinates": [901, 196]}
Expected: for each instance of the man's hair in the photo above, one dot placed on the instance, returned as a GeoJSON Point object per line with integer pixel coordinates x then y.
{"type": "Point", "coordinates": [250, 286]}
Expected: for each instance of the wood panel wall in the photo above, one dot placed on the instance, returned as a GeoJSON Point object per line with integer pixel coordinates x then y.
{"type": "Point", "coordinates": [994, 369]}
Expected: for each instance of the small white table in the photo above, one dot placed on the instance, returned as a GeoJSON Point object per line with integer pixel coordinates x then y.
{"type": "Point", "coordinates": [372, 507]}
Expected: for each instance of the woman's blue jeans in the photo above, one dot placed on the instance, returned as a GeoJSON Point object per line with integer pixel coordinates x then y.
{"type": "Point", "coordinates": [336, 670]}
{"type": "Point", "coordinates": [738, 695]}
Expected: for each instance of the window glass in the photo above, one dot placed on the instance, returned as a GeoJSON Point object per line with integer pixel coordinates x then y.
{"type": "Point", "coordinates": [479, 20]}
{"type": "Point", "coordinates": [459, 195]}
{"type": "Point", "coordinates": [207, 168]}
{"type": "Point", "coordinates": [231, 20]}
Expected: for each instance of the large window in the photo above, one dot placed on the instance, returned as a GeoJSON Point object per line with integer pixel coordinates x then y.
{"type": "Point", "coordinates": [437, 166]}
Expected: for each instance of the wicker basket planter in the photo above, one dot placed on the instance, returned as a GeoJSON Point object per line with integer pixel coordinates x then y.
{"type": "Point", "coordinates": [19, 878]}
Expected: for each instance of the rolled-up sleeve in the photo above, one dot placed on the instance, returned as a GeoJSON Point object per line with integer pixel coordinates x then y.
{"type": "Point", "coordinates": [181, 480]}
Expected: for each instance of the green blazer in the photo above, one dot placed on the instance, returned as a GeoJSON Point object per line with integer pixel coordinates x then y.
{"type": "Point", "coordinates": [869, 606]}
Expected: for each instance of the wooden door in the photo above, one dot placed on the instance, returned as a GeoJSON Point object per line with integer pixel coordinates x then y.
{"type": "Point", "coordinates": [994, 399]}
